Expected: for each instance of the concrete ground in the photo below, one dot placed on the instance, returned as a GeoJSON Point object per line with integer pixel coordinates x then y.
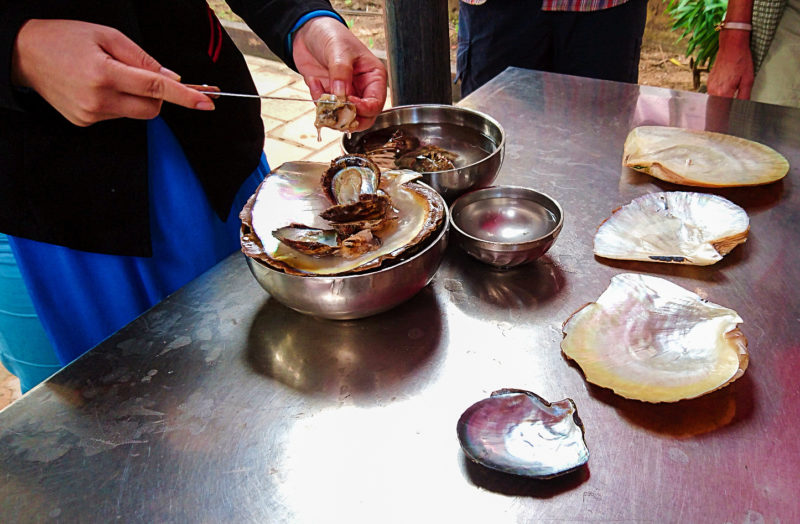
{"type": "Point", "coordinates": [290, 135]}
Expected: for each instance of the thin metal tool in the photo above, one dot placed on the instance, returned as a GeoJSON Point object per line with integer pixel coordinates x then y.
{"type": "Point", "coordinates": [267, 97]}
{"type": "Point", "coordinates": [209, 90]}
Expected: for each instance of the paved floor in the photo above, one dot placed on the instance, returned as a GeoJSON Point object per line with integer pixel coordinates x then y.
{"type": "Point", "coordinates": [290, 135]}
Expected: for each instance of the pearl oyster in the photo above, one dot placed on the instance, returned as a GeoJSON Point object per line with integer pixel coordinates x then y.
{"type": "Point", "coordinates": [428, 159]}
{"type": "Point", "coordinates": [518, 432]}
{"type": "Point", "coordinates": [336, 113]}
{"type": "Point", "coordinates": [292, 197]}
{"type": "Point", "coordinates": [678, 227]}
{"type": "Point", "coordinates": [701, 158]}
{"type": "Point", "coordinates": [651, 340]}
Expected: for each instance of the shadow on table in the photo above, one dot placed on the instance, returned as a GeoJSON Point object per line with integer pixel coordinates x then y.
{"type": "Point", "coordinates": [475, 285]}
{"type": "Point", "coordinates": [366, 360]}
{"type": "Point", "coordinates": [713, 411]}
{"type": "Point", "coordinates": [518, 486]}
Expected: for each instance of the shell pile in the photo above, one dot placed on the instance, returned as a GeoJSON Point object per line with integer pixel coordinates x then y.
{"type": "Point", "coordinates": [701, 158]}
{"type": "Point", "coordinates": [352, 219]}
{"type": "Point", "coordinates": [518, 432]}
{"type": "Point", "coordinates": [403, 150]}
{"type": "Point", "coordinates": [651, 340]}
{"type": "Point", "coordinates": [676, 227]}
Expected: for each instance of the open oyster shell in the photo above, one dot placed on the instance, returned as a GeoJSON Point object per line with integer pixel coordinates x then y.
{"type": "Point", "coordinates": [518, 432]}
{"type": "Point", "coordinates": [651, 340]}
{"type": "Point", "coordinates": [292, 194]}
{"type": "Point", "coordinates": [701, 158]}
{"type": "Point", "coordinates": [678, 227]}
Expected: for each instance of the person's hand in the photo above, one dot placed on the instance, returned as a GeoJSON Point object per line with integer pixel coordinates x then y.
{"type": "Point", "coordinates": [332, 60]}
{"type": "Point", "coordinates": [732, 72]}
{"type": "Point", "coordinates": [90, 72]}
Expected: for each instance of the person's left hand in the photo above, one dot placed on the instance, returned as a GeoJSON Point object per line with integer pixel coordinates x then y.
{"type": "Point", "coordinates": [332, 60]}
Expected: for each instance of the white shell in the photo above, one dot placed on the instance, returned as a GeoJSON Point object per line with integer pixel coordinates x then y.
{"type": "Point", "coordinates": [701, 158]}
{"type": "Point", "coordinates": [677, 227]}
{"type": "Point", "coordinates": [651, 340]}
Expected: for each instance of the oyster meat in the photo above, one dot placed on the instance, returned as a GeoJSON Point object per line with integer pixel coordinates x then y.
{"type": "Point", "coordinates": [648, 339]}
{"type": "Point", "coordinates": [677, 227]}
{"type": "Point", "coordinates": [701, 158]}
{"type": "Point", "coordinates": [428, 159]}
{"type": "Point", "coordinates": [336, 113]}
{"type": "Point", "coordinates": [518, 432]}
{"type": "Point", "coordinates": [283, 222]}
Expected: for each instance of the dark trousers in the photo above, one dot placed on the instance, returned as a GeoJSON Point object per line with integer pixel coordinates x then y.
{"type": "Point", "coordinates": [601, 44]}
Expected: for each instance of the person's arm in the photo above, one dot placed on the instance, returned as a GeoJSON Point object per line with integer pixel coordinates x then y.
{"type": "Point", "coordinates": [732, 72]}
{"type": "Point", "coordinates": [90, 73]}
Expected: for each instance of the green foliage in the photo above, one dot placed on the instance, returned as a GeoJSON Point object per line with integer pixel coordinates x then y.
{"type": "Point", "coordinates": [698, 20]}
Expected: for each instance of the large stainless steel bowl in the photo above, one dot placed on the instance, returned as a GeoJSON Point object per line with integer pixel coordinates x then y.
{"type": "Point", "coordinates": [477, 138]}
{"type": "Point", "coordinates": [359, 295]}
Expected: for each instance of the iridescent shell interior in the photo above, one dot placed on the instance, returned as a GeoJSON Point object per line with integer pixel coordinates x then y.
{"type": "Point", "coordinates": [678, 227]}
{"type": "Point", "coordinates": [648, 339]}
{"type": "Point", "coordinates": [518, 432]}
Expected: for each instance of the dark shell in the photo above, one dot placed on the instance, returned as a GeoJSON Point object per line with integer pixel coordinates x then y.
{"type": "Point", "coordinates": [518, 432]}
{"type": "Point", "coordinates": [308, 240]}
{"type": "Point", "coordinates": [428, 159]}
{"type": "Point", "coordinates": [368, 207]}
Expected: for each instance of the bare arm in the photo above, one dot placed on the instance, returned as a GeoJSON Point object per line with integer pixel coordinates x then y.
{"type": "Point", "coordinates": [732, 73]}
{"type": "Point", "coordinates": [90, 73]}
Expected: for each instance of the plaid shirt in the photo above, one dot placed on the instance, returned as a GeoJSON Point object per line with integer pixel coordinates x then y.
{"type": "Point", "coordinates": [568, 5]}
{"type": "Point", "coordinates": [766, 15]}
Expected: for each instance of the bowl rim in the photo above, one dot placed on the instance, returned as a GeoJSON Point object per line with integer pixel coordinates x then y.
{"type": "Point", "coordinates": [465, 199]}
{"type": "Point", "coordinates": [444, 228]}
{"type": "Point", "coordinates": [497, 151]}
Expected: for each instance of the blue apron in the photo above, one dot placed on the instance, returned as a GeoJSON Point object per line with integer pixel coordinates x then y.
{"type": "Point", "coordinates": [81, 298]}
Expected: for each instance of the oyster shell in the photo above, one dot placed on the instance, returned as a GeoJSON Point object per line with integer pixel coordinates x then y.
{"type": "Point", "coordinates": [308, 240]}
{"type": "Point", "coordinates": [518, 432]}
{"type": "Point", "coordinates": [701, 158]}
{"type": "Point", "coordinates": [427, 159]}
{"type": "Point", "coordinates": [678, 227]}
{"type": "Point", "coordinates": [651, 340]}
{"type": "Point", "coordinates": [336, 113]}
{"type": "Point", "coordinates": [292, 195]}
{"type": "Point", "coordinates": [352, 184]}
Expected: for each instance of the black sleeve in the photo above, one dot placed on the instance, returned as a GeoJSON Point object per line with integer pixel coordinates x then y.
{"type": "Point", "coordinates": [12, 16]}
{"type": "Point", "coordinates": [273, 19]}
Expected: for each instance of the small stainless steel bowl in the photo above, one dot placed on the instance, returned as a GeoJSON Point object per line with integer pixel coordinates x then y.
{"type": "Point", "coordinates": [506, 226]}
{"type": "Point", "coordinates": [477, 138]}
{"type": "Point", "coordinates": [358, 295]}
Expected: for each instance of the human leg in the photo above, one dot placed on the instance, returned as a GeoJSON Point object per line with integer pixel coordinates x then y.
{"type": "Point", "coordinates": [497, 35]}
{"type": "Point", "coordinates": [603, 44]}
{"type": "Point", "coordinates": [778, 80]}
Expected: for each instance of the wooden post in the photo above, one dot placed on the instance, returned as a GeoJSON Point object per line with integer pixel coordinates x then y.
{"type": "Point", "coordinates": [417, 42]}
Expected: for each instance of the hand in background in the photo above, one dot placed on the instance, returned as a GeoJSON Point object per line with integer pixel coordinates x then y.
{"type": "Point", "coordinates": [732, 72]}
{"type": "Point", "coordinates": [332, 60]}
{"type": "Point", "coordinates": [90, 73]}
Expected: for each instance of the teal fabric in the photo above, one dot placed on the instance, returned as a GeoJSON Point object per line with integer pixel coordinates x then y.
{"type": "Point", "coordinates": [25, 349]}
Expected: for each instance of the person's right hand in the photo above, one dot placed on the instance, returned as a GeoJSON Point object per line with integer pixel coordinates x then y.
{"type": "Point", "coordinates": [732, 72]}
{"type": "Point", "coordinates": [90, 73]}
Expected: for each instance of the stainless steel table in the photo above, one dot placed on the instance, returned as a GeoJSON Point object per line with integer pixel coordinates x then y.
{"type": "Point", "coordinates": [219, 404]}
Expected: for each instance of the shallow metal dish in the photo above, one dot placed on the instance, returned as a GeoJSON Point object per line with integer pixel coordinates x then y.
{"type": "Point", "coordinates": [359, 295]}
{"type": "Point", "coordinates": [477, 138]}
{"type": "Point", "coordinates": [506, 226]}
